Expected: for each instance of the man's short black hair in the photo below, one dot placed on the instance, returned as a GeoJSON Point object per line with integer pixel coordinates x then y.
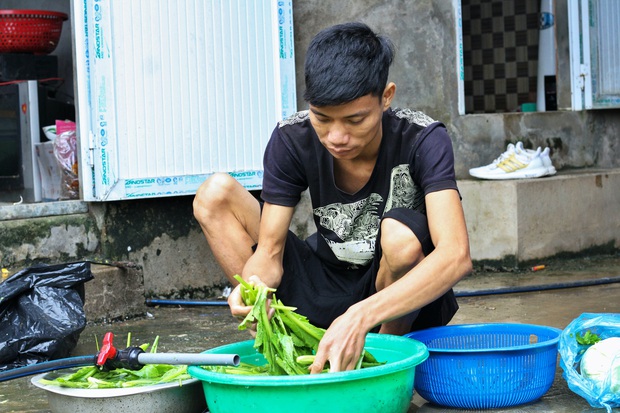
{"type": "Point", "coordinates": [345, 62]}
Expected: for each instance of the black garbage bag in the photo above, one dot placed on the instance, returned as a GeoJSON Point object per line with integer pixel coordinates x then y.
{"type": "Point", "coordinates": [42, 313]}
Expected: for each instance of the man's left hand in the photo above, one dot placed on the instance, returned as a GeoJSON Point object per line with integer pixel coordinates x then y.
{"type": "Point", "coordinates": [343, 343]}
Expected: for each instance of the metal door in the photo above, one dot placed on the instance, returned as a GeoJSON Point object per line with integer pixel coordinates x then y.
{"type": "Point", "coordinates": [169, 93]}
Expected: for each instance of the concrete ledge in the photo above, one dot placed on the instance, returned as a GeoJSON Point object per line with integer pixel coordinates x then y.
{"type": "Point", "coordinates": [524, 220]}
{"type": "Point", "coordinates": [47, 239]}
{"type": "Point", "coordinates": [42, 209]}
{"type": "Point", "coordinates": [114, 293]}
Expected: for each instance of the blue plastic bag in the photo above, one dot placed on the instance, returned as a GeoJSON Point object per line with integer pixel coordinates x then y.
{"type": "Point", "coordinates": [605, 325]}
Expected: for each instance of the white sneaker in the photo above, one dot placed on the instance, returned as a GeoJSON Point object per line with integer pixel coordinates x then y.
{"type": "Point", "coordinates": [544, 155]}
{"type": "Point", "coordinates": [515, 163]}
{"type": "Point", "coordinates": [485, 170]}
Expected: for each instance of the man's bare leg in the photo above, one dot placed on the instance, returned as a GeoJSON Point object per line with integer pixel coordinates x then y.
{"type": "Point", "coordinates": [401, 252]}
{"type": "Point", "coordinates": [229, 217]}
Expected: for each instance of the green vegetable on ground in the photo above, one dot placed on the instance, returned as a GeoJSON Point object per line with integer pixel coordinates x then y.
{"type": "Point", "coordinates": [93, 377]}
{"type": "Point", "coordinates": [287, 340]}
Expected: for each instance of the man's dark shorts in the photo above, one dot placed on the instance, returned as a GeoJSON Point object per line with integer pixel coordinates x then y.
{"type": "Point", "coordinates": [322, 293]}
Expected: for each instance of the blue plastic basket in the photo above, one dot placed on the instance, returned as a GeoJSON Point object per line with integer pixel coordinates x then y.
{"type": "Point", "coordinates": [482, 366]}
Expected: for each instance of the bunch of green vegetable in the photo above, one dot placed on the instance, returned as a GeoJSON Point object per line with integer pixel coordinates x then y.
{"type": "Point", "coordinates": [93, 377]}
{"type": "Point", "coordinates": [287, 340]}
{"type": "Point", "coordinates": [587, 339]}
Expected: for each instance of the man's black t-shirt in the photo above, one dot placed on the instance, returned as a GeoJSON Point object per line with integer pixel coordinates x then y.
{"type": "Point", "coordinates": [415, 158]}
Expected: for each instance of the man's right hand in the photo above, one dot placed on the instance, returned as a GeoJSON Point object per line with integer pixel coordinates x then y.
{"type": "Point", "coordinates": [239, 309]}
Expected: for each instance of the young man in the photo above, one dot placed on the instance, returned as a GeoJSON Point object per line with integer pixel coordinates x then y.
{"type": "Point", "coordinates": [391, 240]}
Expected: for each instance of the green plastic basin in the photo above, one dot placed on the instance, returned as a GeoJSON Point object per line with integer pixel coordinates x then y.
{"type": "Point", "coordinates": [387, 388]}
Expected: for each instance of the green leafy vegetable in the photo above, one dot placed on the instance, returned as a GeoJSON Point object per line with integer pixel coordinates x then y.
{"type": "Point", "coordinates": [287, 340]}
{"type": "Point", "coordinates": [92, 377]}
{"type": "Point", "coordinates": [587, 339]}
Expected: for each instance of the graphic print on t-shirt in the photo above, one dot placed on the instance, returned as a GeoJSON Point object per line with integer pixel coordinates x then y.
{"type": "Point", "coordinates": [404, 193]}
{"type": "Point", "coordinates": [355, 225]}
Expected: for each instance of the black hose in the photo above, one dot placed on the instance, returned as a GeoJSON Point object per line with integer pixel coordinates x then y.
{"type": "Point", "coordinates": [161, 301]}
{"type": "Point", "coordinates": [472, 293]}
{"type": "Point", "coordinates": [42, 367]}
{"type": "Point", "coordinates": [535, 288]}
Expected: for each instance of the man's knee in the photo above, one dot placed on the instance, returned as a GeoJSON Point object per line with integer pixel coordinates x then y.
{"type": "Point", "coordinates": [212, 194]}
{"type": "Point", "coordinates": [400, 247]}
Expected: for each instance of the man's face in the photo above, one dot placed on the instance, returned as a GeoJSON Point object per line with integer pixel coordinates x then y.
{"type": "Point", "coordinates": [351, 130]}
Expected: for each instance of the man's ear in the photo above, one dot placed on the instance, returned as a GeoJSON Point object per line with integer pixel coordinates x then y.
{"type": "Point", "coordinates": [388, 95]}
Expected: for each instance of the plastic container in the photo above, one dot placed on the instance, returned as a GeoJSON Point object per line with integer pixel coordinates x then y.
{"type": "Point", "coordinates": [30, 31]}
{"type": "Point", "coordinates": [480, 366]}
{"type": "Point", "coordinates": [386, 388]}
{"type": "Point", "coordinates": [50, 132]}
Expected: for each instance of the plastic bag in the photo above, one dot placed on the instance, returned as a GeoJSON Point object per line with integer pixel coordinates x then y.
{"type": "Point", "coordinates": [605, 325]}
{"type": "Point", "coordinates": [65, 151]}
{"type": "Point", "coordinates": [42, 313]}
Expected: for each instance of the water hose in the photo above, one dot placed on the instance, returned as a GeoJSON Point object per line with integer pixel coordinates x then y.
{"type": "Point", "coordinates": [458, 293]}
{"type": "Point", "coordinates": [133, 358]}
{"type": "Point", "coordinates": [160, 301]}
{"type": "Point", "coordinates": [536, 288]}
{"type": "Point", "coordinates": [48, 366]}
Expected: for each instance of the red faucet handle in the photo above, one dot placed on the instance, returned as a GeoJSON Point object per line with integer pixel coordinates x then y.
{"type": "Point", "coordinates": [107, 351]}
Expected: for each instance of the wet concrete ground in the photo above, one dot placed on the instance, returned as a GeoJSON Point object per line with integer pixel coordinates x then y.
{"type": "Point", "coordinates": [195, 329]}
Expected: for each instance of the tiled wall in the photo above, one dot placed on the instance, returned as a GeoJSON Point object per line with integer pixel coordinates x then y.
{"type": "Point", "coordinates": [500, 42]}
